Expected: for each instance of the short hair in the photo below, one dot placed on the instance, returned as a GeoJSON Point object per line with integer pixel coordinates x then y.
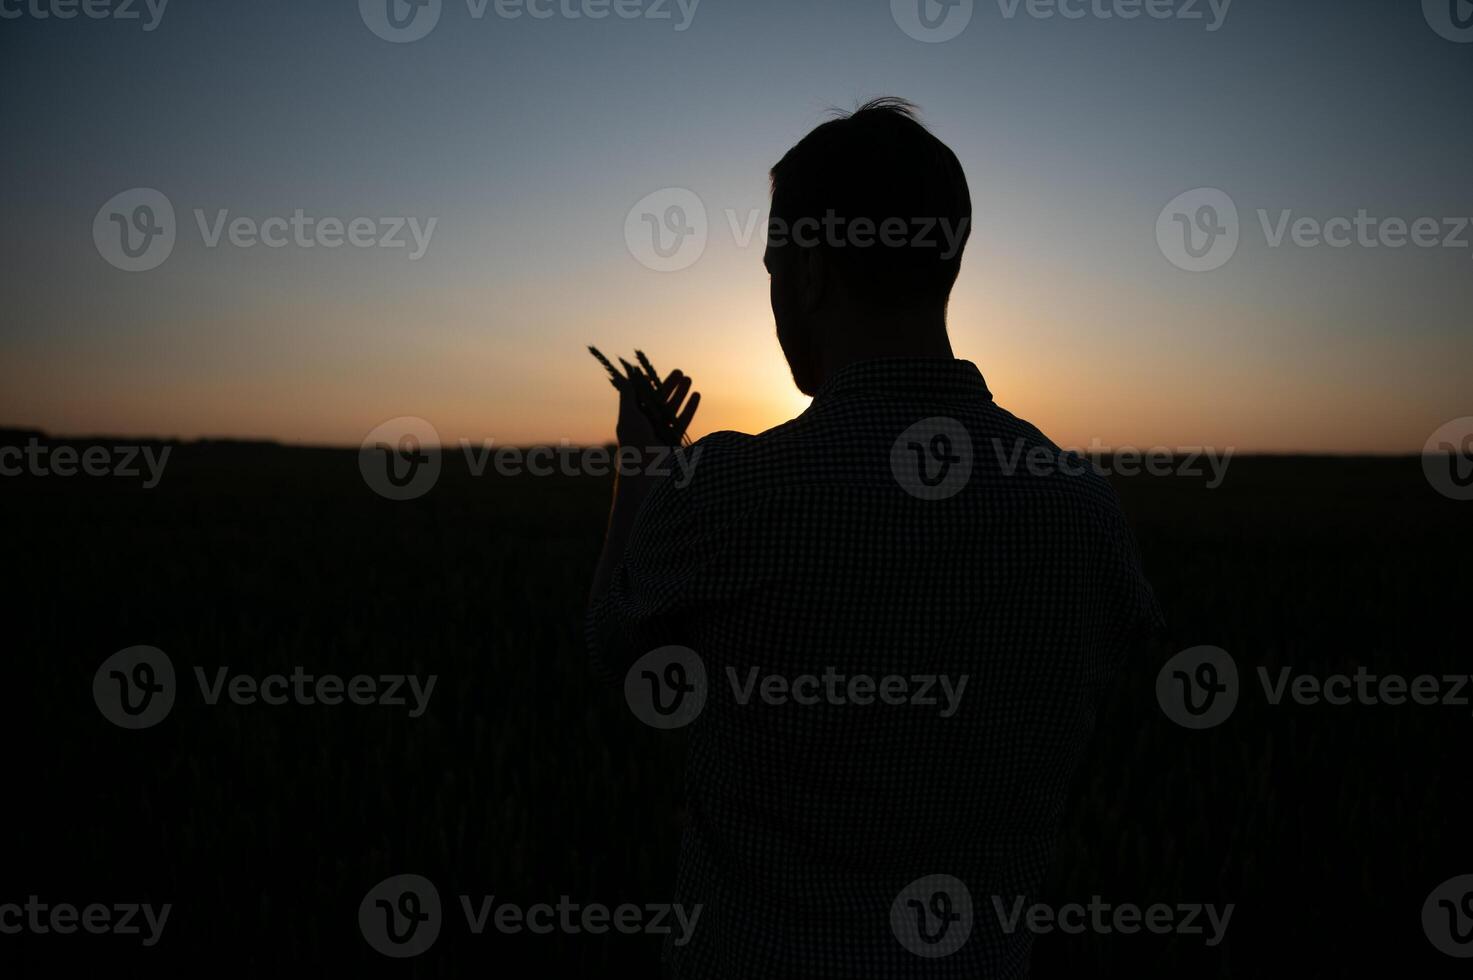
{"type": "Point", "coordinates": [871, 166]}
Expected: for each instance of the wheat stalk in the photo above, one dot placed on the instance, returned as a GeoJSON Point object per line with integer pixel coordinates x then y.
{"type": "Point", "coordinates": [614, 376]}
{"type": "Point", "coordinates": [647, 384]}
{"type": "Point", "coordinates": [649, 368]}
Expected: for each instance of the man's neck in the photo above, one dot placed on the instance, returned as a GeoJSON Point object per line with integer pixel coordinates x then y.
{"type": "Point", "coordinates": [901, 336]}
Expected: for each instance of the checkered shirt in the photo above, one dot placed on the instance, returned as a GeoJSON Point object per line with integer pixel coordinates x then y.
{"type": "Point", "coordinates": [820, 545]}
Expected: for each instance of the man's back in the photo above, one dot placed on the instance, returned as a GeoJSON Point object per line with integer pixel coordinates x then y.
{"type": "Point", "coordinates": [904, 639]}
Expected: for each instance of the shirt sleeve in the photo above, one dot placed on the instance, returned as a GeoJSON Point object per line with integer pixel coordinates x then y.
{"type": "Point", "coordinates": [653, 588]}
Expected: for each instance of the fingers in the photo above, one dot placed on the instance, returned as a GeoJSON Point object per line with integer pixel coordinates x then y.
{"type": "Point", "coordinates": [682, 422]}
{"type": "Point", "coordinates": [662, 402]}
{"type": "Point", "coordinates": [674, 390]}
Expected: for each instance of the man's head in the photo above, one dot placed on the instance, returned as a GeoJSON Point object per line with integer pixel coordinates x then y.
{"type": "Point", "coordinates": [870, 214]}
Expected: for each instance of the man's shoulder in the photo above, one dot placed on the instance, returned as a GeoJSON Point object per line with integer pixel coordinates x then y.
{"type": "Point", "coordinates": [726, 445]}
{"type": "Point", "coordinates": [1010, 458]}
{"type": "Point", "coordinates": [1016, 453]}
{"type": "Point", "coordinates": [725, 473]}
{"type": "Point", "coordinates": [727, 463]}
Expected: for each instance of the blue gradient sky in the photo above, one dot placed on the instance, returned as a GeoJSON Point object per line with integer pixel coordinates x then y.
{"type": "Point", "coordinates": [529, 141]}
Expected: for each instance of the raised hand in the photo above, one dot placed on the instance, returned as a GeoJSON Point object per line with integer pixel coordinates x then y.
{"type": "Point", "coordinates": [651, 412]}
{"type": "Point", "coordinates": [654, 413]}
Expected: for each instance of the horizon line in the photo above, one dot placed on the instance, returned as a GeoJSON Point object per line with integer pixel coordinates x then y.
{"type": "Point", "coordinates": [12, 431]}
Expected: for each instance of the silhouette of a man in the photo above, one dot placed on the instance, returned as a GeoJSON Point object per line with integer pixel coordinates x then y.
{"type": "Point", "coordinates": [906, 600]}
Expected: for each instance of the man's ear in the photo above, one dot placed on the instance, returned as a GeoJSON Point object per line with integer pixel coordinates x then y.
{"type": "Point", "coordinates": [814, 278]}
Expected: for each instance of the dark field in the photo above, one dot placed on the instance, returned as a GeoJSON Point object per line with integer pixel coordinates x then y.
{"type": "Point", "coordinates": [1327, 826]}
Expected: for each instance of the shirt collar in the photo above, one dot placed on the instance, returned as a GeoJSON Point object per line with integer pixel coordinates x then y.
{"type": "Point", "coordinates": [931, 376]}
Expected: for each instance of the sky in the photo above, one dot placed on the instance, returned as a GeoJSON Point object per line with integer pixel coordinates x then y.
{"type": "Point", "coordinates": [537, 136]}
